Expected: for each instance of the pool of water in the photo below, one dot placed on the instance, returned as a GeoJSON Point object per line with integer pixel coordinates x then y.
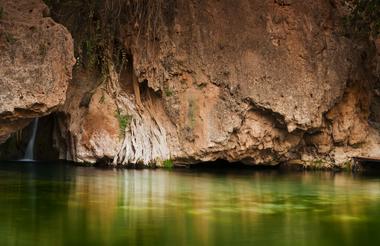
{"type": "Point", "coordinates": [58, 204]}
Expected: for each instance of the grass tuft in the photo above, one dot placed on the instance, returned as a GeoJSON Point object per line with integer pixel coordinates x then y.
{"type": "Point", "coordinates": [124, 122]}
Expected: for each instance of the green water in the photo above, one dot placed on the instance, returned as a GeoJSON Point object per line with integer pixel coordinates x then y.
{"type": "Point", "coordinates": [51, 204]}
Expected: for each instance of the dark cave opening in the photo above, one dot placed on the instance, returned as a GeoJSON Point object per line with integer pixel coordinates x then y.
{"type": "Point", "coordinates": [15, 146]}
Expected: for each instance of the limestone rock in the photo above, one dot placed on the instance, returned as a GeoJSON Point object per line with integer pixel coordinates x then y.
{"type": "Point", "coordinates": [290, 59]}
{"type": "Point", "coordinates": [262, 82]}
{"type": "Point", "coordinates": [241, 82]}
{"type": "Point", "coordinates": [36, 60]}
{"type": "Point", "coordinates": [350, 117]}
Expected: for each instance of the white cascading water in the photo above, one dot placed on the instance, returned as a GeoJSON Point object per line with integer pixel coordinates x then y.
{"type": "Point", "coordinates": [29, 153]}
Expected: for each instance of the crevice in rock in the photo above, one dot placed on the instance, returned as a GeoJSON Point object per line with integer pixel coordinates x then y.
{"type": "Point", "coordinates": [278, 119]}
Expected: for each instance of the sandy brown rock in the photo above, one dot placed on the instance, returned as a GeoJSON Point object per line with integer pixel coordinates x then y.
{"type": "Point", "coordinates": [289, 59]}
{"type": "Point", "coordinates": [250, 81]}
{"type": "Point", "coordinates": [36, 60]}
{"type": "Point", "coordinates": [262, 82]}
{"type": "Point", "coordinates": [288, 63]}
{"type": "Point", "coordinates": [350, 117]}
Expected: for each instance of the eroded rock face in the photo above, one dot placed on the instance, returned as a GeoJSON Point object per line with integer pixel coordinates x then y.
{"type": "Point", "coordinates": [36, 60]}
{"type": "Point", "coordinates": [261, 82]}
{"type": "Point", "coordinates": [289, 59]}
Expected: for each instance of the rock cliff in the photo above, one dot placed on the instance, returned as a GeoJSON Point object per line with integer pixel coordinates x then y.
{"type": "Point", "coordinates": [36, 60]}
{"type": "Point", "coordinates": [260, 82]}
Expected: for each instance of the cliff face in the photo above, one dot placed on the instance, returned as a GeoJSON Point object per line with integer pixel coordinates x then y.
{"type": "Point", "coordinates": [36, 60]}
{"type": "Point", "coordinates": [261, 82]}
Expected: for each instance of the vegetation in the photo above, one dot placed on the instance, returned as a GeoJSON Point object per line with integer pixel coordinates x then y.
{"type": "Point", "coordinates": [124, 122]}
{"type": "Point", "coordinates": [168, 92]}
{"type": "Point", "coordinates": [1, 12]}
{"type": "Point", "coordinates": [365, 17]}
{"type": "Point", "coordinates": [168, 164]}
{"type": "Point", "coordinates": [98, 27]}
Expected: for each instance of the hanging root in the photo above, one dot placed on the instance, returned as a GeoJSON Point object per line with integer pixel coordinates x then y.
{"type": "Point", "coordinates": [98, 28]}
{"type": "Point", "coordinates": [144, 141]}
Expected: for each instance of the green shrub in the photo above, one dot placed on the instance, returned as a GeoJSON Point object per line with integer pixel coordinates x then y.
{"type": "Point", "coordinates": [168, 164]}
{"type": "Point", "coordinates": [124, 121]}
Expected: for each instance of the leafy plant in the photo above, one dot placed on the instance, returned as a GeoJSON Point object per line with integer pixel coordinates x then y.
{"type": "Point", "coordinates": [168, 164]}
{"type": "Point", "coordinates": [124, 122]}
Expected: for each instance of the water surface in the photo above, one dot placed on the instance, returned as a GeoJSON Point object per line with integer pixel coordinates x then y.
{"type": "Point", "coordinates": [56, 204]}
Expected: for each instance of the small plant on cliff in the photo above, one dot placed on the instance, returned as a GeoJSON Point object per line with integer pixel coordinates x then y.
{"type": "Point", "coordinates": [124, 121]}
{"type": "Point", "coordinates": [168, 164]}
{"type": "Point", "coordinates": [365, 17]}
{"type": "Point", "coordinates": [168, 92]}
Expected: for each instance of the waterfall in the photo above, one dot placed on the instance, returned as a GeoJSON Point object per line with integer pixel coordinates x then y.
{"type": "Point", "coordinates": [29, 153]}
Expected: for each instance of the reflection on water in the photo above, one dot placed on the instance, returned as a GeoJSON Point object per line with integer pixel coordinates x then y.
{"type": "Point", "coordinates": [47, 204]}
